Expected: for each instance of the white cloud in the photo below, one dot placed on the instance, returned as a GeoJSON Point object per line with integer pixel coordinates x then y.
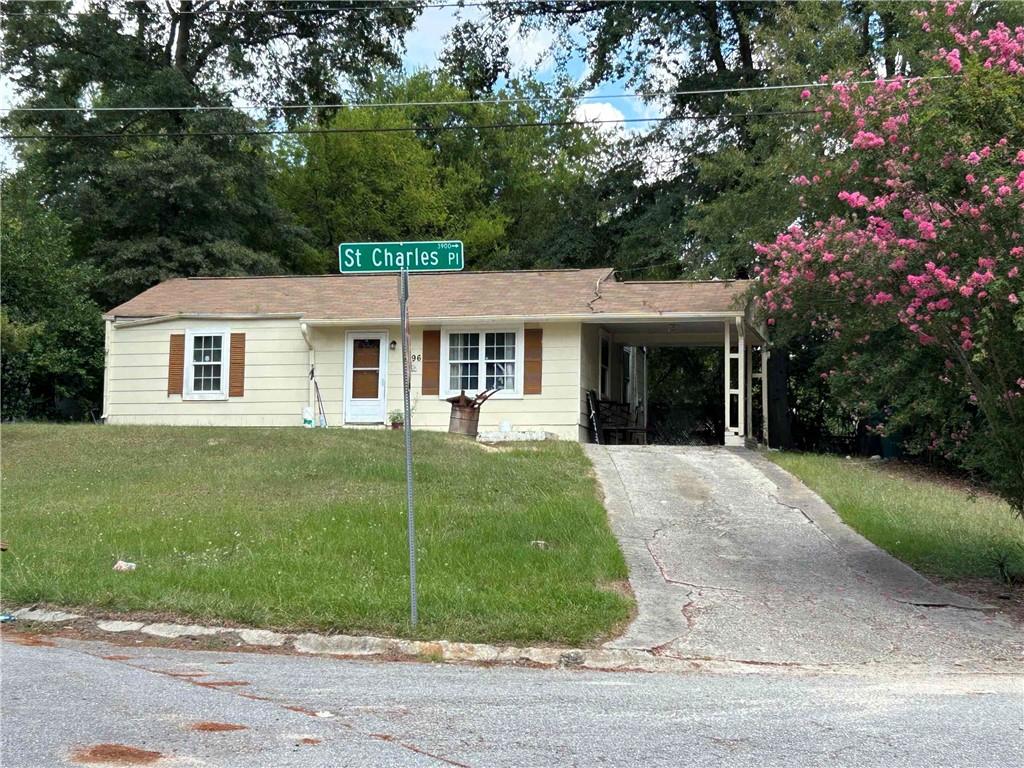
{"type": "Point", "coordinates": [599, 112]}
{"type": "Point", "coordinates": [531, 49]}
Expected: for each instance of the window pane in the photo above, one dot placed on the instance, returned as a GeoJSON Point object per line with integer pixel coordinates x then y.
{"type": "Point", "coordinates": [463, 376]}
{"type": "Point", "coordinates": [501, 376]}
{"type": "Point", "coordinates": [500, 346]}
{"type": "Point", "coordinates": [463, 346]}
{"type": "Point", "coordinates": [206, 349]}
{"type": "Point", "coordinates": [366, 353]}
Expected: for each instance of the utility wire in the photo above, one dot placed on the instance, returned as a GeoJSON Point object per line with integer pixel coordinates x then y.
{"type": "Point", "coordinates": [393, 129]}
{"type": "Point", "coordinates": [559, 6]}
{"type": "Point", "coordinates": [466, 102]}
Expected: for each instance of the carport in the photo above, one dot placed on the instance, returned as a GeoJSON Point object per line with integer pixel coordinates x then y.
{"type": "Point", "coordinates": [696, 314]}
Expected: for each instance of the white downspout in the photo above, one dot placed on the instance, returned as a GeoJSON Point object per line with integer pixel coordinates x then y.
{"type": "Point", "coordinates": [108, 332]}
{"type": "Point", "coordinates": [304, 329]}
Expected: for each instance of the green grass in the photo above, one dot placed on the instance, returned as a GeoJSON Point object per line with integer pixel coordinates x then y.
{"type": "Point", "coordinates": [293, 528]}
{"type": "Point", "coordinates": [939, 530]}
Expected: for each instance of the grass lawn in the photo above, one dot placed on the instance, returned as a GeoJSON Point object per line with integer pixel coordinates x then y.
{"type": "Point", "coordinates": [938, 529]}
{"type": "Point", "coordinates": [293, 528]}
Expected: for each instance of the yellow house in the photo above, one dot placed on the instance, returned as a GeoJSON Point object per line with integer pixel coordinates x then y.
{"type": "Point", "coordinates": [239, 351]}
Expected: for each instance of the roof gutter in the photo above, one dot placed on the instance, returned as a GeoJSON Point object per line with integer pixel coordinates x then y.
{"type": "Point", "coordinates": [634, 317]}
{"type": "Point", "coordinates": [137, 321]}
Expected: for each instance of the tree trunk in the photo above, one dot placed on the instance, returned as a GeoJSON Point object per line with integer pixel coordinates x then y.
{"type": "Point", "coordinates": [710, 13]}
{"type": "Point", "coordinates": [186, 20]}
{"type": "Point", "coordinates": [780, 432]}
{"type": "Point", "coordinates": [744, 46]}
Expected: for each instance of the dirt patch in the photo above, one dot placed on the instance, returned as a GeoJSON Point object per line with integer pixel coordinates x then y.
{"type": "Point", "coordinates": [117, 657]}
{"type": "Point", "coordinates": [115, 754]}
{"type": "Point", "coordinates": [301, 711]}
{"type": "Point", "coordinates": [37, 641]}
{"type": "Point", "coordinates": [309, 741]}
{"type": "Point", "coordinates": [213, 727]}
{"type": "Point", "coordinates": [221, 683]}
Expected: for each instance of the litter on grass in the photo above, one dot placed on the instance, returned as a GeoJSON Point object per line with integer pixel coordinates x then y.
{"type": "Point", "coordinates": [123, 565]}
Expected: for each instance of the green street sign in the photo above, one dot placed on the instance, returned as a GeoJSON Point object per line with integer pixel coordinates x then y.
{"type": "Point", "coordinates": [416, 256]}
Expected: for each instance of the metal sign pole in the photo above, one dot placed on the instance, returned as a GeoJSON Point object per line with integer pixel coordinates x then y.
{"type": "Point", "coordinates": [403, 292]}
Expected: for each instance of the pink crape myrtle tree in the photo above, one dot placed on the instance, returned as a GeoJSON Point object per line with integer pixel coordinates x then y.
{"type": "Point", "coordinates": [911, 231]}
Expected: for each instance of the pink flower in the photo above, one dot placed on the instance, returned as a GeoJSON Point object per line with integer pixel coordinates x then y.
{"type": "Point", "coordinates": [1013, 298]}
{"type": "Point", "coordinates": [805, 94]}
{"type": "Point", "coordinates": [867, 140]}
{"type": "Point", "coordinates": [974, 158]}
{"type": "Point", "coordinates": [853, 199]}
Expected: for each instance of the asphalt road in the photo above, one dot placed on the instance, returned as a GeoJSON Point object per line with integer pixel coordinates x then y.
{"type": "Point", "coordinates": [59, 702]}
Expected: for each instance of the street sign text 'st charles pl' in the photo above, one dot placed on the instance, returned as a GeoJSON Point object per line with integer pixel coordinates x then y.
{"type": "Point", "coordinates": [420, 256]}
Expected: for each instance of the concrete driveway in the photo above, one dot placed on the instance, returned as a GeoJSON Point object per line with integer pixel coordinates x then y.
{"type": "Point", "coordinates": [732, 558]}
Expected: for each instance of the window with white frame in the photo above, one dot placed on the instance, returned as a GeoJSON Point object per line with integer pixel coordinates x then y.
{"type": "Point", "coordinates": [206, 369]}
{"type": "Point", "coordinates": [483, 360]}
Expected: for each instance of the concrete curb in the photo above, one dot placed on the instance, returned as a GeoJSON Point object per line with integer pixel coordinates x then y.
{"type": "Point", "coordinates": [594, 659]}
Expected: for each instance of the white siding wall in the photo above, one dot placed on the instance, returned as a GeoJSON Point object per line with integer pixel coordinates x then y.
{"type": "Point", "coordinates": [276, 370]}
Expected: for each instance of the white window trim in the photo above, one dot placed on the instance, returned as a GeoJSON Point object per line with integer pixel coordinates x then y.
{"type": "Point", "coordinates": [445, 390]}
{"type": "Point", "coordinates": [225, 364]}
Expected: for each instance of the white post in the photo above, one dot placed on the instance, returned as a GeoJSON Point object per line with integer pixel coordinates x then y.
{"type": "Point", "coordinates": [749, 431]}
{"type": "Point", "coordinates": [741, 377]}
{"type": "Point", "coordinates": [728, 380]}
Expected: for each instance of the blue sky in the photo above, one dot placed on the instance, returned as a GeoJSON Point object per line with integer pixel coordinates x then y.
{"type": "Point", "coordinates": [531, 49]}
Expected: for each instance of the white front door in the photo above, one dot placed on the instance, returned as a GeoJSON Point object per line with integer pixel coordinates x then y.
{"type": "Point", "coordinates": [366, 363]}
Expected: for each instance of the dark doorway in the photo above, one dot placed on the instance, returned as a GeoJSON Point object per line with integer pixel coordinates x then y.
{"type": "Point", "coordinates": [684, 391]}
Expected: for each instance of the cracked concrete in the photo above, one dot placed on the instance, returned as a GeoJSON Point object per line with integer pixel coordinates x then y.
{"type": "Point", "coordinates": [731, 558]}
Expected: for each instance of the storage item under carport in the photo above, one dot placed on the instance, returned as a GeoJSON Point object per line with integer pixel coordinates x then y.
{"type": "Point", "coordinates": [465, 418]}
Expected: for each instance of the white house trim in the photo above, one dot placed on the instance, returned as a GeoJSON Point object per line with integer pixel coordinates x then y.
{"type": "Point", "coordinates": [187, 392]}
{"type": "Point", "coordinates": [445, 391]}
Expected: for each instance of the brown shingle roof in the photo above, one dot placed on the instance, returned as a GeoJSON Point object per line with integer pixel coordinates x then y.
{"type": "Point", "coordinates": [551, 293]}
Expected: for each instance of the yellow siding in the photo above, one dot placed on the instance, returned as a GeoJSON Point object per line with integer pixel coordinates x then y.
{"type": "Point", "coordinates": [590, 351]}
{"type": "Point", "coordinates": [276, 367]}
{"type": "Point", "coordinates": [555, 410]}
{"type": "Point", "coordinates": [277, 387]}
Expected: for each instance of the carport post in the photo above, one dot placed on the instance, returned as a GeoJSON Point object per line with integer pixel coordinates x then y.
{"type": "Point", "coordinates": [749, 431]}
{"type": "Point", "coordinates": [741, 357]}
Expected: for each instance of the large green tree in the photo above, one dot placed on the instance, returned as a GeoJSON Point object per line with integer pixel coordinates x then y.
{"type": "Point", "coordinates": [159, 192]}
{"type": "Point", "coordinates": [51, 334]}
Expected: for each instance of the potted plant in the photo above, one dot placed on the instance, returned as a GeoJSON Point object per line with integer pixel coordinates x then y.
{"type": "Point", "coordinates": [397, 419]}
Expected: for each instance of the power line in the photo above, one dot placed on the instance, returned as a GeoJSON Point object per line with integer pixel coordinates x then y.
{"type": "Point", "coordinates": [561, 6]}
{"type": "Point", "coordinates": [466, 102]}
{"type": "Point", "coordinates": [395, 129]}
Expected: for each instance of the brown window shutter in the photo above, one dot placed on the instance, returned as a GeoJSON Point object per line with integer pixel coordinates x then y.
{"type": "Point", "coordinates": [431, 384]}
{"type": "Point", "coordinates": [533, 355]}
{"type": "Point", "coordinates": [236, 382]}
{"type": "Point", "coordinates": [176, 364]}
